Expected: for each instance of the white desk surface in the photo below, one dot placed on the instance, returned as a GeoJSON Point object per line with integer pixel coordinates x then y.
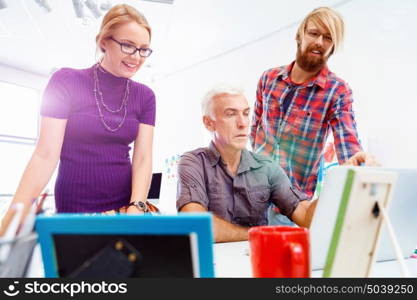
{"type": "Point", "coordinates": [232, 260]}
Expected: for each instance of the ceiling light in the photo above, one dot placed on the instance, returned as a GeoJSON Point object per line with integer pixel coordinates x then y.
{"type": "Point", "coordinates": [3, 4]}
{"type": "Point", "coordinates": [93, 7]}
{"type": "Point", "coordinates": [43, 4]}
{"type": "Point", "coordinates": [105, 6]}
{"type": "Point", "coordinates": [78, 8]}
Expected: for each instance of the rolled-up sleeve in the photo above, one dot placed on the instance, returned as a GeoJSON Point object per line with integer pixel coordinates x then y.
{"type": "Point", "coordinates": [191, 184]}
{"type": "Point", "coordinates": [283, 194]}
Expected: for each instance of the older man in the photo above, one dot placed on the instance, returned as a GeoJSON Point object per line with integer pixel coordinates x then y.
{"type": "Point", "coordinates": [228, 180]}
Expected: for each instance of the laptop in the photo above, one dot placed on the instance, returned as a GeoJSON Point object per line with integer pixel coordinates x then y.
{"type": "Point", "coordinates": [155, 188]}
{"type": "Point", "coordinates": [401, 210]}
{"type": "Point", "coordinates": [123, 246]}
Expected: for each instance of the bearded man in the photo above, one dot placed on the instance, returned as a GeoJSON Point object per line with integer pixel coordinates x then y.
{"type": "Point", "coordinates": [297, 105]}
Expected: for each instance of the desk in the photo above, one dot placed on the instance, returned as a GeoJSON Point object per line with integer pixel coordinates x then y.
{"type": "Point", "coordinates": [232, 260]}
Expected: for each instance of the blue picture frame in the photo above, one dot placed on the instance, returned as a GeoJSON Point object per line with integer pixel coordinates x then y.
{"type": "Point", "coordinates": [200, 225]}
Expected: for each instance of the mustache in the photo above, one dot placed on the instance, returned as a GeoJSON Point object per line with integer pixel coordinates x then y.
{"type": "Point", "coordinates": [316, 48]}
{"type": "Point", "coordinates": [308, 63]}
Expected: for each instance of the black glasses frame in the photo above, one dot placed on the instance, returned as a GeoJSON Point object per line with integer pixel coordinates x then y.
{"type": "Point", "coordinates": [140, 50]}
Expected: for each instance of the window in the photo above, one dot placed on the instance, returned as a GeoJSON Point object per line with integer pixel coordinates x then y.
{"type": "Point", "coordinates": [19, 114]}
{"type": "Point", "coordinates": [19, 122]}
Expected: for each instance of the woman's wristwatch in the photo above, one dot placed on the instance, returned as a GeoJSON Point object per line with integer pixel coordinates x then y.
{"type": "Point", "coordinates": [140, 205]}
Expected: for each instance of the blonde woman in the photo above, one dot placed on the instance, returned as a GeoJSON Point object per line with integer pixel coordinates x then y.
{"type": "Point", "coordinates": [89, 119]}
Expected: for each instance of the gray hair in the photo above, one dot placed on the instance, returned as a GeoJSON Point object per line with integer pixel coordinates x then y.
{"type": "Point", "coordinates": [206, 104]}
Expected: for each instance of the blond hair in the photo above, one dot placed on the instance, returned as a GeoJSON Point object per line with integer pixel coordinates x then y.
{"type": "Point", "coordinates": [119, 14]}
{"type": "Point", "coordinates": [328, 18]}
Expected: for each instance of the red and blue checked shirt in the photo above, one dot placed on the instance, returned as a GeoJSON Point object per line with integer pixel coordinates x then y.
{"type": "Point", "coordinates": [297, 139]}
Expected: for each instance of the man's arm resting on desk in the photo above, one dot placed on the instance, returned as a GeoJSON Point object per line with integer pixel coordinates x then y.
{"type": "Point", "coordinates": [303, 213]}
{"type": "Point", "coordinates": [224, 231]}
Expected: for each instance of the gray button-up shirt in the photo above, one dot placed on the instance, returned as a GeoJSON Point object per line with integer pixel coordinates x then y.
{"type": "Point", "coordinates": [243, 199]}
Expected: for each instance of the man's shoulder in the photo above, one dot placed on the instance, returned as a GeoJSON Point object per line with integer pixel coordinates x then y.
{"type": "Point", "coordinates": [260, 158]}
{"type": "Point", "coordinates": [274, 72]}
{"type": "Point", "coordinates": [194, 155]}
{"type": "Point", "coordinates": [271, 75]}
{"type": "Point", "coordinates": [335, 80]}
{"type": "Point", "coordinates": [267, 164]}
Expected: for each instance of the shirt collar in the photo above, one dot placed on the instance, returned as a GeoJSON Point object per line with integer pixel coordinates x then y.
{"type": "Point", "coordinates": [247, 161]}
{"type": "Point", "coordinates": [319, 80]}
{"type": "Point", "coordinates": [213, 154]}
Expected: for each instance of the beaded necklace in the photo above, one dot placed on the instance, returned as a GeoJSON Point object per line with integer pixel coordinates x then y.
{"type": "Point", "coordinates": [123, 106]}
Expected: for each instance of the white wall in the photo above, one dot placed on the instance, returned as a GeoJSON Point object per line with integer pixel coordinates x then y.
{"type": "Point", "coordinates": [378, 61]}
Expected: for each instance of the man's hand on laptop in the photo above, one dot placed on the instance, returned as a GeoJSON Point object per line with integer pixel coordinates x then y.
{"type": "Point", "coordinates": [362, 159]}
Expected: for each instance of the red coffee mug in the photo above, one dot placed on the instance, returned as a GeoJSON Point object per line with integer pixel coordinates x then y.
{"type": "Point", "coordinates": [279, 251]}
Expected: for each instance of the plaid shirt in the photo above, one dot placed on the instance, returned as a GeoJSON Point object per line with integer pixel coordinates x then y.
{"type": "Point", "coordinates": [297, 139]}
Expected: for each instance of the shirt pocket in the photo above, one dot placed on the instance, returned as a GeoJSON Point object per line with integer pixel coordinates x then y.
{"type": "Point", "coordinates": [259, 202]}
{"type": "Point", "coordinates": [259, 194]}
{"type": "Point", "coordinates": [304, 124]}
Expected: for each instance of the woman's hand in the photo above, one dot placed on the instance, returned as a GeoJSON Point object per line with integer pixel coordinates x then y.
{"type": "Point", "coordinates": [133, 209]}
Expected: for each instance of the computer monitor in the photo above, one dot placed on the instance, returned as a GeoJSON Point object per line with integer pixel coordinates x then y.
{"type": "Point", "coordinates": [346, 226]}
{"type": "Point", "coordinates": [120, 246]}
{"type": "Point", "coordinates": [402, 212]}
{"type": "Point", "coordinates": [155, 188]}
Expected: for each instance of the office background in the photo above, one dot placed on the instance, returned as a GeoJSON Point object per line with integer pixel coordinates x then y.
{"type": "Point", "coordinates": [198, 44]}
